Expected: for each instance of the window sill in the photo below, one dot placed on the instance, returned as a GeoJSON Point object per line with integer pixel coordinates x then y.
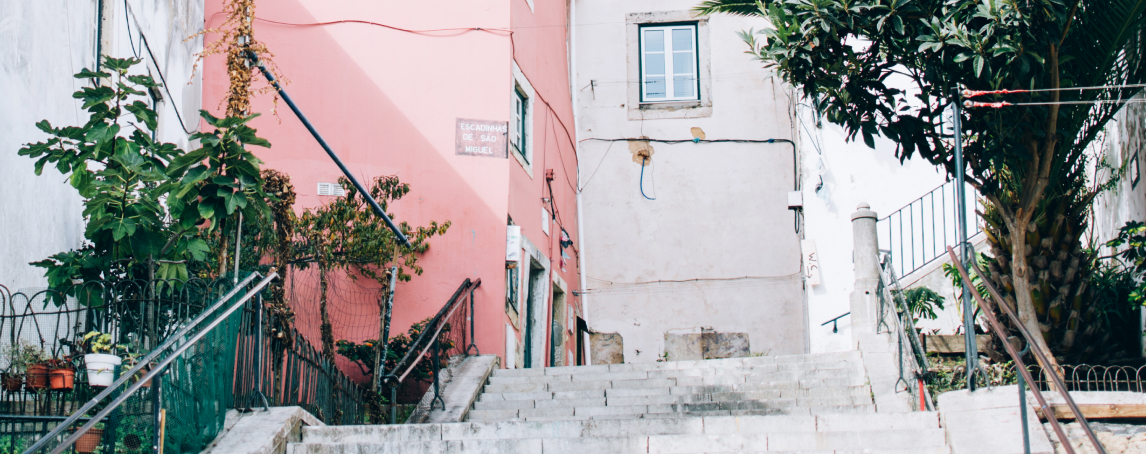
{"type": "Point", "coordinates": [670, 109]}
{"type": "Point", "coordinates": [524, 164]}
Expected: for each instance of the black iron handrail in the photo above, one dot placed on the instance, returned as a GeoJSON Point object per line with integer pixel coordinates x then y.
{"type": "Point", "coordinates": [835, 328]}
{"type": "Point", "coordinates": [926, 221]}
{"type": "Point", "coordinates": [999, 331]}
{"type": "Point", "coordinates": [146, 362]}
{"type": "Point", "coordinates": [425, 341]}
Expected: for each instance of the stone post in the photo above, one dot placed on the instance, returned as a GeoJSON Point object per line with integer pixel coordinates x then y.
{"type": "Point", "coordinates": [865, 255]}
{"type": "Point", "coordinates": [865, 243]}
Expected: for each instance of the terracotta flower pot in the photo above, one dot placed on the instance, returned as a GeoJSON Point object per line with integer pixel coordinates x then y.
{"type": "Point", "coordinates": [37, 377]}
{"type": "Point", "coordinates": [89, 441]}
{"type": "Point", "coordinates": [142, 372]}
{"type": "Point", "coordinates": [12, 382]}
{"type": "Point", "coordinates": [62, 379]}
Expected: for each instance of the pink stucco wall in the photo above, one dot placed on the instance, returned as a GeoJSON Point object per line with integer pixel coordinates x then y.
{"type": "Point", "coordinates": [386, 101]}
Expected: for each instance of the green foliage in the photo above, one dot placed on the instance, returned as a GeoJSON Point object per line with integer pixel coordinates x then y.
{"type": "Point", "coordinates": [1133, 236]}
{"type": "Point", "coordinates": [24, 354]}
{"type": "Point", "coordinates": [346, 234]}
{"type": "Point", "coordinates": [99, 342]}
{"type": "Point", "coordinates": [950, 374]}
{"type": "Point", "coordinates": [363, 354]}
{"type": "Point", "coordinates": [144, 201]}
{"type": "Point", "coordinates": [922, 303]}
{"type": "Point", "coordinates": [12, 444]}
{"type": "Point", "coordinates": [890, 68]}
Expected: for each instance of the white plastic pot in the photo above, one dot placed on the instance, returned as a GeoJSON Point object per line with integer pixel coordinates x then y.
{"type": "Point", "coordinates": [101, 368]}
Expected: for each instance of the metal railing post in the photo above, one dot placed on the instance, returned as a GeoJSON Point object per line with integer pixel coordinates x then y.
{"type": "Point", "coordinates": [473, 342]}
{"type": "Point", "coordinates": [261, 345]}
{"type": "Point", "coordinates": [157, 408]}
{"type": "Point", "coordinates": [1022, 413]}
{"type": "Point", "coordinates": [437, 371]}
{"type": "Point", "coordinates": [972, 352]}
{"type": "Point", "coordinates": [393, 405]}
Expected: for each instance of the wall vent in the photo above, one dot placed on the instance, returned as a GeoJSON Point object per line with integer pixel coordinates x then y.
{"type": "Point", "coordinates": [333, 189]}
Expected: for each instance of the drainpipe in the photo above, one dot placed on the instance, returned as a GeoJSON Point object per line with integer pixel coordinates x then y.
{"type": "Point", "coordinates": [577, 151]}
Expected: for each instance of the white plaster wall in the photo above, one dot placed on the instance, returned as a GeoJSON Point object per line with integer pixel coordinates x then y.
{"type": "Point", "coordinates": [1125, 136]}
{"type": "Point", "coordinates": [852, 173]}
{"type": "Point", "coordinates": [717, 248]}
{"type": "Point", "coordinates": [42, 44]}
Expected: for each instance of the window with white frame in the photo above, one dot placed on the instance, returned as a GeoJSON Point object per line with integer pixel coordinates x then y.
{"type": "Point", "coordinates": [518, 136]}
{"type": "Point", "coordinates": [669, 63]}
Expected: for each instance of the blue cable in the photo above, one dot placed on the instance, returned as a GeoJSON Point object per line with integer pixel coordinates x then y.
{"type": "Point", "coordinates": [643, 160]}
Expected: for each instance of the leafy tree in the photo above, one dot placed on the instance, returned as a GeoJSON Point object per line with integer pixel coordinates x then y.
{"type": "Point", "coordinates": [147, 204]}
{"type": "Point", "coordinates": [346, 235]}
{"type": "Point", "coordinates": [1027, 161]}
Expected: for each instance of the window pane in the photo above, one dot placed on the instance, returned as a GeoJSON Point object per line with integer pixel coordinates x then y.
{"type": "Point", "coordinates": [654, 64]}
{"type": "Point", "coordinates": [655, 87]}
{"type": "Point", "coordinates": [654, 41]}
{"type": "Point", "coordinates": [682, 63]}
{"type": "Point", "coordinates": [683, 87]}
{"type": "Point", "coordinates": [681, 39]}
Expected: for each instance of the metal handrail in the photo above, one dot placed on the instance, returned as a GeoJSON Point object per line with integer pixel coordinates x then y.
{"type": "Point", "coordinates": [425, 342]}
{"type": "Point", "coordinates": [414, 346]}
{"type": "Point", "coordinates": [835, 327]}
{"type": "Point", "coordinates": [933, 234]}
{"type": "Point", "coordinates": [159, 368]}
{"type": "Point", "coordinates": [997, 328]}
{"type": "Point", "coordinates": [891, 294]}
{"type": "Point", "coordinates": [123, 378]}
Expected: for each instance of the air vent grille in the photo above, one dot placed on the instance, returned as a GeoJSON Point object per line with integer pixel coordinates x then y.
{"type": "Point", "coordinates": [333, 189]}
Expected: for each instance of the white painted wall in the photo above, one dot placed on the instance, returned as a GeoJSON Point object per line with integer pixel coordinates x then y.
{"type": "Point", "coordinates": [852, 173]}
{"type": "Point", "coordinates": [1126, 201]}
{"type": "Point", "coordinates": [679, 263]}
{"type": "Point", "coordinates": [42, 44]}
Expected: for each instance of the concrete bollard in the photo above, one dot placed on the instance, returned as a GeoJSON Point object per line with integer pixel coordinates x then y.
{"type": "Point", "coordinates": [865, 243]}
{"type": "Point", "coordinates": [865, 255]}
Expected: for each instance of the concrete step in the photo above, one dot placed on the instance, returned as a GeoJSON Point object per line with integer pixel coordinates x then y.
{"type": "Point", "coordinates": [690, 393]}
{"type": "Point", "coordinates": [903, 441]}
{"type": "Point", "coordinates": [788, 362]}
{"type": "Point", "coordinates": [584, 390]}
{"type": "Point", "coordinates": [859, 395]}
{"type": "Point", "coordinates": [766, 372]}
{"type": "Point", "coordinates": [710, 425]}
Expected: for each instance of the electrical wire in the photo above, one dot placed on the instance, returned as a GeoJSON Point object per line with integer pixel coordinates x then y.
{"type": "Point", "coordinates": [974, 93]}
{"type": "Point", "coordinates": [431, 33]}
{"type": "Point", "coordinates": [159, 71]}
{"type": "Point", "coordinates": [127, 23]}
{"type": "Point", "coordinates": [642, 184]}
{"type": "Point", "coordinates": [795, 164]}
{"type": "Point", "coordinates": [996, 105]}
{"type": "Point", "coordinates": [434, 33]}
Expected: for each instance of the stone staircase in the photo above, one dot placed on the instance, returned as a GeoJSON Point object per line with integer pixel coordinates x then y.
{"type": "Point", "coordinates": [816, 403]}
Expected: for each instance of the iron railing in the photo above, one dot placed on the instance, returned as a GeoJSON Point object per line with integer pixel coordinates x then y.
{"type": "Point", "coordinates": [1020, 366]}
{"type": "Point", "coordinates": [440, 337]}
{"type": "Point", "coordinates": [289, 371]}
{"type": "Point", "coordinates": [151, 367]}
{"type": "Point", "coordinates": [920, 232]}
{"type": "Point", "coordinates": [895, 319]}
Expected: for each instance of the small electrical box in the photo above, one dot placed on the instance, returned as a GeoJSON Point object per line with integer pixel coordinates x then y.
{"type": "Point", "coordinates": [795, 200]}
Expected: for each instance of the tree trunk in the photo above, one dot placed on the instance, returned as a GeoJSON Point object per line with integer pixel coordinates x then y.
{"type": "Point", "coordinates": [1026, 307]}
{"type": "Point", "coordinates": [327, 329]}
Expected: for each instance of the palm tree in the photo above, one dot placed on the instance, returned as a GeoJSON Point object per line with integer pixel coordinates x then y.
{"type": "Point", "coordinates": [1027, 159]}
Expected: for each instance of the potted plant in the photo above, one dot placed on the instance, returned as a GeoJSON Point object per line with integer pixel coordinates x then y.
{"type": "Point", "coordinates": [100, 359]}
{"type": "Point", "coordinates": [89, 441]}
{"type": "Point", "coordinates": [61, 374]}
{"type": "Point", "coordinates": [12, 379]}
{"type": "Point", "coordinates": [130, 359]}
{"type": "Point", "coordinates": [36, 367]}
